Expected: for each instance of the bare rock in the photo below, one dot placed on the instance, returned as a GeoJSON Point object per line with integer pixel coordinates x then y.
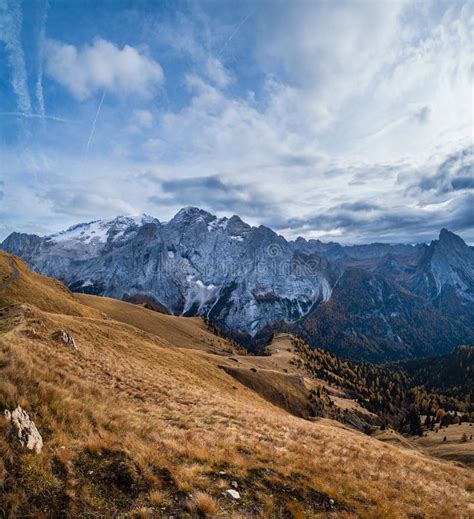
{"type": "Point", "coordinates": [24, 429]}
{"type": "Point", "coordinates": [231, 493]}
{"type": "Point", "coordinates": [65, 337]}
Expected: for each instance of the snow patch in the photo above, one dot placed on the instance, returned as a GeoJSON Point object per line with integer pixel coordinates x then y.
{"type": "Point", "coordinates": [199, 293]}
{"type": "Point", "coordinates": [218, 223]}
{"type": "Point", "coordinates": [84, 232]}
{"type": "Point", "coordinates": [99, 230]}
{"type": "Point", "coordinates": [325, 290]}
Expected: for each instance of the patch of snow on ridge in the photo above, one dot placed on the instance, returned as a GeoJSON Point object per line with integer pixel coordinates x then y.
{"type": "Point", "coordinates": [99, 230]}
{"type": "Point", "coordinates": [199, 293]}
{"type": "Point", "coordinates": [217, 223]}
{"type": "Point", "coordinates": [84, 232]}
{"type": "Point", "coordinates": [325, 290]}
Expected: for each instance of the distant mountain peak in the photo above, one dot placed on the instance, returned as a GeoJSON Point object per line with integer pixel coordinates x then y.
{"type": "Point", "coordinates": [450, 237]}
{"type": "Point", "coordinates": [190, 213]}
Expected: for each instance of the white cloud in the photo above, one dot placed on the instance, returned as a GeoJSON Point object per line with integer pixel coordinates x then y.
{"type": "Point", "coordinates": [431, 83]}
{"type": "Point", "coordinates": [330, 51]}
{"type": "Point", "coordinates": [83, 203]}
{"type": "Point", "coordinates": [217, 73]}
{"type": "Point", "coordinates": [11, 21]}
{"type": "Point", "coordinates": [102, 66]}
{"type": "Point", "coordinates": [143, 118]}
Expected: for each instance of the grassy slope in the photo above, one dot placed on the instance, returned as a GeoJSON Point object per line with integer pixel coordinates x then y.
{"type": "Point", "coordinates": [453, 448]}
{"type": "Point", "coordinates": [45, 293]}
{"type": "Point", "coordinates": [277, 379]}
{"type": "Point", "coordinates": [182, 333]}
{"type": "Point", "coordinates": [434, 444]}
{"type": "Point", "coordinates": [133, 425]}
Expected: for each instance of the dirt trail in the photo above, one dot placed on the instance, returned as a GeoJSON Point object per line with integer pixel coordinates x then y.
{"type": "Point", "coordinates": [12, 277]}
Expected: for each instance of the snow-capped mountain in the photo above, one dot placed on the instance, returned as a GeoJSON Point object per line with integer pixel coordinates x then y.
{"type": "Point", "coordinates": [251, 281]}
{"type": "Point", "coordinates": [242, 277]}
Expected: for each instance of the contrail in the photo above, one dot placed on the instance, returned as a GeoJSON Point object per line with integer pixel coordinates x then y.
{"type": "Point", "coordinates": [11, 21]}
{"type": "Point", "coordinates": [94, 121]}
{"type": "Point", "coordinates": [38, 116]}
{"type": "Point", "coordinates": [41, 39]}
{"type": "Point", "coordinates": [233, 34]}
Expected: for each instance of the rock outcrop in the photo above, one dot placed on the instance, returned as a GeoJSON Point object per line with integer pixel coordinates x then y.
{"type": "Point", "coordinates": [233, 494]}
{"type": "Point", "coordinates": [23, 428]}
{"type": "Point", "coordinates": [66, 338]}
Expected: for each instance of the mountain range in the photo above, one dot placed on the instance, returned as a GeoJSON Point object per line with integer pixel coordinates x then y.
{"type": "Point", "coordinates": [372, 302]}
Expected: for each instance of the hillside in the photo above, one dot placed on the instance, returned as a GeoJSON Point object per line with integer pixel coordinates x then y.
{"type": "Point", "coordinates": [452, 374]}
{"type": "Point", "coordinates": [19, 284]}
{"type": "Point", "coordinates": [182, 333]}
{"type": "Point", "coordinates": [439, 388]}
{"type": "Point", "coordinates": [274, 376]}
{"type": "Point", "coordinates": [134, 426]}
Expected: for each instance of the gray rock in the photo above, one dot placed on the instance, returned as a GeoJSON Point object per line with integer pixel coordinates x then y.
{"type": "Point", "coordinates": [196, 264]}
{"type": "Point", "coordinates": [231, 493]}
{"type": "Point", "coordinates": [24, 429]}
{"type": "Point", "coordinates": [66, 338]}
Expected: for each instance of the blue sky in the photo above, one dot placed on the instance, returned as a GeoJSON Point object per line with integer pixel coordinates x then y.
{"type": "Point", "coordinates": [350, 121]}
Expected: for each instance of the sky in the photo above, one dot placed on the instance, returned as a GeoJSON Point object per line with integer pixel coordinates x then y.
{"type": "Point", "coordinates": [338, 120]}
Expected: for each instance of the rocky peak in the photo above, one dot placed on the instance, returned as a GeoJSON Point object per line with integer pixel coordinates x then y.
{"type": "Point", "coordinates": [191, 214]}
{"type": "Point", "coordinates": [23, 245]}
{"type": "Point", "coordinates": [235, 226]}
{"type": "Point", "coordinates": [449, 239]}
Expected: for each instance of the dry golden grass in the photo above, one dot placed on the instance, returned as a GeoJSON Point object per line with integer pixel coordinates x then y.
{"type": "Point", "coordinates": [203, 504]}
{"type": "Point", "coordinates": [176, 420]}
{"type": "Point", "coordinates": [454, 448]}
{"type": "Point", "coordinates": [43, 292]}
{"type": "Point", "coordinates": [182, 333]}
{"type": "Point", "coordinates": [133, 426]}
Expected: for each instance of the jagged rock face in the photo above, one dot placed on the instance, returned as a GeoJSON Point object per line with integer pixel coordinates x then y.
{"type": "Point", "coordinates": [441, 272]}
{"type": "Point", "coordinates": [371, 318]}
{"type": "Point", "coordinates": [452, 263]}
{"type": "Point", "coordinates": [24, 429]}
{"type": "Point", "coordinates": [249, 279]}
{"type": "Point", "coordinates": [243, 277]}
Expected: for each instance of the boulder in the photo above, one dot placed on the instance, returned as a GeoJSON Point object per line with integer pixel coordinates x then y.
{"type": "Point", "coordinates": [24, 429]}
{"type": "Point", "coordinates": [231, 493]}
{"type": "Point", "coordinates": [65, 337]}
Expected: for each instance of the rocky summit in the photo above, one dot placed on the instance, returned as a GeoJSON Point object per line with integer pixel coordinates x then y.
{"type": "Point", "coordinates": [375, 302]}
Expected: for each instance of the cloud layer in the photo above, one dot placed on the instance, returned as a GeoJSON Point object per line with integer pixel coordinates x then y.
{"type": "Point", "coordinates": [101, 66]}
{"type": "Point", "coordinates": [347, 120]}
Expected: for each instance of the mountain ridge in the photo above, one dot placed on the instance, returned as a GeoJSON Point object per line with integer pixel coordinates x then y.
{"type": "Point", "coordinates": [251, 281]}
